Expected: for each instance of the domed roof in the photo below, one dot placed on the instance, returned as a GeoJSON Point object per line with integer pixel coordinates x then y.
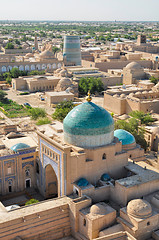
{"type": "Point", "coordinates": [105, 177]}
{"type": "Point", "coordinates": [65, 81]}
{"type": "Point", "coordinates": [88, 119]}
{"type": "Point", "coordinates": [98, 209]}
{"type": "Point", "coordinates": [124, 136]}
{"type": "Point", "coordinates": [139, 208]}
{"type": "Point", "coordinates": [122, 95]}
{"type": "Point", "coordinates": [131, 94]}
{"type": "Point", "coordinates": [133, 65]}
{"type": "Point", "coordinates": [145, 92]}
{"type": "Point", "coordinates": [137, 93]}
{"type": "Point", "coordinates": [115, 95]}
{"type": "Point", "coordinates": [46, 54]}
{"type": "Point", "coordinates": [19, 146]}
{"type": "Point", "coordinates": [82, 182]}
{"type": "Point", "coordinates": [29, 55]}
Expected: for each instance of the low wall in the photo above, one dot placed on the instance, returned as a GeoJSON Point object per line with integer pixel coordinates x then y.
{"type": "Point", "coordinates": [45, 220]}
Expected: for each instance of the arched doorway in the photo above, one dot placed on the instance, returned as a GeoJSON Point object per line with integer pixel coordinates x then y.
{"type": "Point", "coordinates": [51, 182]}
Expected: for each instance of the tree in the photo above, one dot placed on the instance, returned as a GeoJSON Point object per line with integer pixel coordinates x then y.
{"type": "Point", "coordinates": [37, 112]}
{"type": "Point", "coordinates": [95, 85]}
{"type": "Point", "coordinates": [153, 80]}
{"type": "Point", "coordinates": [31, 201]}
{"type": "Point", "coordinates": [62, 109]}
{"type": "Point", "coordinates": [132, 126]}
{"type": "Point", "coordinates": [145, 118]}
{"type": "Point", "coordinates": [2, 96]}
{"type": "Point", "coordinates": [55, 49]}
{"type": "Point", "coordinates": [15, 72]}
{"type": "Point", "coordinates": [9, 46]}
{"type": "Point", "coordinates": [17, 41]}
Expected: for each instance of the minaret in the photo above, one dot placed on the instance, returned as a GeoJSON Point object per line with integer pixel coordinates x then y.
{"type": "Point", "coordinates": [36, 43]}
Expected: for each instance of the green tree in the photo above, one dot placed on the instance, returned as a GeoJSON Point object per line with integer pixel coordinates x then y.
{"type": "Point", "coordinates": [2, 96]}
{"type": "Point", "coordinates": [102, 38]}
{"type": "Point", "coordinates": [62, 109]}
{"type": "Point", "coordinates": [15, 72]}
{"type": "Point", "coordinates": [17, 41]}
{"type": "Point", "coordinates": [145, 118]}
{"type": "Point", "coordinates": [153, 80]}
{"type": "Point", "coordinates": [55, 49]}
{"type": "Point", "coordinates": [95, 85]}
{"type": "Point", "coordinates": [37, 112]}
{"type": "Point", "coordinates": [31, 201]}
{"type": "Point", "coordinates": [9, 46]}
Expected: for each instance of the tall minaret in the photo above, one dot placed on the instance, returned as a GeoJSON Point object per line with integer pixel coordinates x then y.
{"type": "Point", "coordinates": [36, 43]}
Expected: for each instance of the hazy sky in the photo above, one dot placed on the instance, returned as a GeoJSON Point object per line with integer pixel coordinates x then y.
{"type": "Point", "coordinates": [90, 10]}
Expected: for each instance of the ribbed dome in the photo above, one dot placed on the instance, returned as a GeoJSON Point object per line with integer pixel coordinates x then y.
{"type": "Point", "coordinates": [139, 208]}
{"type": "Point", "coordinates": [124, 136]}
{"type": "Point", "coordinates": [88, 120]}
{"type": "Point", "coordinates": [19, 146]}
{"type": "Point", "coordinates": [133, 65]}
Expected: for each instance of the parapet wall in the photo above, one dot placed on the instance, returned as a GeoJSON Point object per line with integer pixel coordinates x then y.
{"type": "Point", "coordinates": [45, 220]}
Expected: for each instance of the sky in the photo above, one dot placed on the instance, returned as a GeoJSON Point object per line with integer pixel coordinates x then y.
{"type": "Point", "coordinates": [80, 10]}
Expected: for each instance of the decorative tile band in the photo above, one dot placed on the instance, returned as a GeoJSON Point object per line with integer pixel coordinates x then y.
{"type": "Point", "coordinates": [28, 163]}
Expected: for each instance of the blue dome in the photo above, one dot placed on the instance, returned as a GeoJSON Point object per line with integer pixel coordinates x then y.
{"type": "Point", "coordinates": [88, 119]}
{"type": "Point", "coordinates": [124, 136]}
{"type": "Point", "coordinates": [82, 182]}
{"type": "Point", "coordinates": [105, 177]}
{"type": "Point", "coordinates": [19, 146]}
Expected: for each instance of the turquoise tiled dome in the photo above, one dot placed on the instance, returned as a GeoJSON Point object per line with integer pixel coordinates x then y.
{"type": "Point", "coordinates": [105, 177]}
{"type": "Point", "coordinates": [19, 146]}
{"type": "Point", "coordinates": [88, 119]}
{"type": "Point", "coordinates": [124, 136]}
{"type": "Point", "coordinates": [82, 182]}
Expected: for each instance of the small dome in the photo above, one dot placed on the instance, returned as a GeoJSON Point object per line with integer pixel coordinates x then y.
{"type": "Point", "coordinates": [46, 54]}
{"type": "Point", "coordinates": [65, 81]}
{"type": "Point", "coordinates": [82, 182]}
{"type": "Point", "coordinates": [19, 146]}
{"type": "Point", "coordinates": [131, 94]}
{"type": "Point", "coordinates": [28, 55]}
{"type": "Point", "coordinates": [115, 95]}
{"type": "Point", "coordinates": [133, 65]}
{"type": "Point", "coordinates": [124, 136]}
{"type": "Point", "coordinates": [98, 209]}
{"type": "Point", "coordinates": [122, 95]}
{"type": "Point", "coordinates": [144, 92]}
{"type": "Point", "coordinates": [105, 177]}
{"type": "Point", "coordinates": [139, 208]}
{"type": "Point", "coordinates": [63, 84]}
{"type": "Point", "coordinates": [137, 93]}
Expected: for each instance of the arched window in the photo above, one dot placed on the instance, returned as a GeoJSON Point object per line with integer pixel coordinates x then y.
{"type": "Point", "coordinates": [104, 156]}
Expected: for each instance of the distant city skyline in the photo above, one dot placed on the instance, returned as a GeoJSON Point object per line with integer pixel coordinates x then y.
{"type": "Point", "coordinates": [86, 10]}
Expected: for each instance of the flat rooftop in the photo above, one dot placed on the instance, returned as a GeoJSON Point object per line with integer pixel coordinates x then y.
{"type": "Point", "coordinates": [27, 140]}
{"type": "Point", "coordinates": [62, 93]}
{"type": "Point", "coordinates": [143, 175]}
